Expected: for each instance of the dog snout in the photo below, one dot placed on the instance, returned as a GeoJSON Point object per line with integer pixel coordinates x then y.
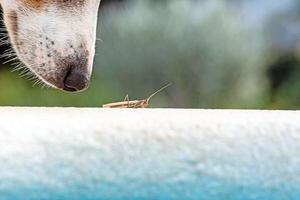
{"type": "Point", "coordinates": [75, 80]}
{"type": "Point", "coordinates": [71, 73]}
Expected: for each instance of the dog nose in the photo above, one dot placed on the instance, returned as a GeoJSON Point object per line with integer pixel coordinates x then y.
{"type": "Point", "coordinates": [75, 81]}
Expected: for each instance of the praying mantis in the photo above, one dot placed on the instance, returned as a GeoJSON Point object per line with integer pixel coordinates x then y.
{"type": "Point", "coordinates": [144, 103]}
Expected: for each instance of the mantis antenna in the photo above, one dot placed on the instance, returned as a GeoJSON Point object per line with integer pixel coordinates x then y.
{"type": "Point", "coordinates": [158, 91]}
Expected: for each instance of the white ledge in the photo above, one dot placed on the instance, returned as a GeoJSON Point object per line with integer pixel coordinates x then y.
{"type": "Point", "coordinates": [69, 153]}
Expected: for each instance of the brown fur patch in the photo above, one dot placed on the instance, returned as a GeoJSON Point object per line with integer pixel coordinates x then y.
{"type": "Point", "coordinates": [11, 20]}
{"type": "Point", "coordinates": [39, 4]}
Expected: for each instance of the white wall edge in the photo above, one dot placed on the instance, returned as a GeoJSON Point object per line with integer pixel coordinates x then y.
{"type": "Point", "coordinates": [72, 153]}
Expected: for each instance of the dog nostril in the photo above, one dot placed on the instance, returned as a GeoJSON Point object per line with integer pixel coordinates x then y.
{"type": "Point", "coordinates": [75, 81]}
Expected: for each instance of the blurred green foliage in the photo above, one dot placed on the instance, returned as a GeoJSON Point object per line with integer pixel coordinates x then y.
{"type": "Point", "coordinates": [21, 92]}
{"type": "Point", "coordinates": [288, 95]}
{"type": "Point", "coordinates": [213, 58]}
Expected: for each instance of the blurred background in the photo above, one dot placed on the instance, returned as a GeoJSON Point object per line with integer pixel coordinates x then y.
{"type": "Point", "coordinates": [217, 54]}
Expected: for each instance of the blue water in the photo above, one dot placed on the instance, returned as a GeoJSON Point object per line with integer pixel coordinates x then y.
{"type": "Point", "coordinates": [206, 188]}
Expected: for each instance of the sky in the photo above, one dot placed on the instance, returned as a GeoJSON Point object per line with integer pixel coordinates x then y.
{"type": "Point", "coordinates": [257, 11]}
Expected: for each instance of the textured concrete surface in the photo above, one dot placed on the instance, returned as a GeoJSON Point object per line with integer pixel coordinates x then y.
{"type": "Point", "coordinates": [169, 154]}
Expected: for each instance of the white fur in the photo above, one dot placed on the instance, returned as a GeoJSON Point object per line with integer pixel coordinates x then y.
{"type": "Point", "coordinates": [66, 27]}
